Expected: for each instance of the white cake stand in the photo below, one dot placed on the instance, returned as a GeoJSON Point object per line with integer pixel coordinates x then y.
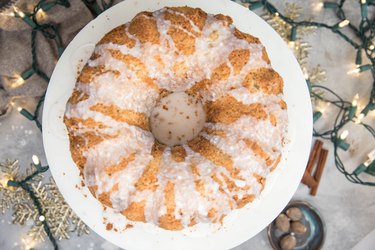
{"type": "Point", "coordinates": [241, 224]}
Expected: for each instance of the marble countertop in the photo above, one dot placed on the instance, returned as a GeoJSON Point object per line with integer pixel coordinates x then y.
{"type": "Point", "coordinates": [347, 209]}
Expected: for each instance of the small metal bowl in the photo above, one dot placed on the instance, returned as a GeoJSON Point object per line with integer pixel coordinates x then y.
{"type": "Point", "coordinates": [312, 239]}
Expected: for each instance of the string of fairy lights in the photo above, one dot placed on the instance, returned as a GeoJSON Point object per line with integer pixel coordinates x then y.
{"type": "Point", "coordinates": [49, 31]}
{"type": "Point", "coordinates": [347, 111]}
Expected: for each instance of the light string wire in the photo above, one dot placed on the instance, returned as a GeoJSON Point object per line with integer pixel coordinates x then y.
{"type": "Point", "coordinates": [365, 34]}
{"type": "Point", "coordinates": [49, 31]}
{"type": "Point", "coordinates": [95, 8]}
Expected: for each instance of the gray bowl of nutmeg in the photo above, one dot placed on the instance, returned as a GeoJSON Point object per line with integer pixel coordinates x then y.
{"type": "Point", "coordinates": [299, 227]}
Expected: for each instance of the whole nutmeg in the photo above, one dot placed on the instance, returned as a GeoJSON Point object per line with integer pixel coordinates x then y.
{"type": "Point", "coordinates": [288, 242]}
{"type": "Point", "coordinates": [282, 223]}
{"type": "Point", "coordinates": [298, 227]}
{"type": "Point", "coordinates": [294, 213]}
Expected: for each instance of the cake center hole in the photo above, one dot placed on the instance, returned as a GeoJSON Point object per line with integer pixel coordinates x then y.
{"type": "Point", "coordinates": [177, 118]}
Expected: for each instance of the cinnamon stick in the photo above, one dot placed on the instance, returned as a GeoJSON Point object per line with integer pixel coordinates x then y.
{"type": "Point", "coordinates": [319, 170]}
{"type": "Point", "coordinates": [314, 155]}
{"type": "Point", "coordinates": [308, 180]}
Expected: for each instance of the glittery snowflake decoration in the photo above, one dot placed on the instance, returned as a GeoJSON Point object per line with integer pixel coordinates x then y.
{"type": "Point", "coordinates": [9, 170]}
{"type": "Point", "coordinates": [300, 47]}
{"type": "Point", "coordinates": [59, 216]}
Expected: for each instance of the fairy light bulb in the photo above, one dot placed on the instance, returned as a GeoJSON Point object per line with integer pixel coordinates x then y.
{"type": "Point", "coordinates": [323, 107]}
{"type": "Point", "coordinates": [364, 166]}
{"type": "Point", "coordinates": [35, 160]}
{"type": "Point", "coordinates": [24, 17]}
{"type": "Point", "coordinates": [359, 118]}
{"type": "Point", "coordinates": [19, 81]}
{"type": "Point", "coordinates": [26, 113]}
{"type": "Point", "coordinates": [291, 44]}
{"type": "Point", "coordinates": [319, 6]}
{"type": "Point", "coordinates": [343, 23]}
{"type": "Point", "coordinates": [11, 14]}
{"type": "Point", "coordinates": [306, 75]}
{"type": "Point", "coordinates": [18, 12]}
{"type": "Point", "coordinates": [4, 178]}
{"type": "Point", "coordinates": [371, 155]}
{"type": "Point", "coordinates": [354, 71]}
{"type": "Point", "coordinates": [359, 69]}
{"type": "Point", "coordinates": [363, 1]}
{"type": "Point", "coordinates": [341, 140]}
{"type": "Point", "coordinates": [42, 218]}
{"type": "Point", "coordinates": [353, 108]}
{"type": "Point", "coordinates": [41, 15]}
{"type": "Point", "coordinates": [41, 12]}
{"type": "Point", "coordinates": [355, 100]}
{"type": "Point", "coordinates": [344, 135]}
{"type": "Point", "coordinates": [367, 162]}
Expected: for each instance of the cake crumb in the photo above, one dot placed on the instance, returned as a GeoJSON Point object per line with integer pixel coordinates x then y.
{"type": "Point", "coordinates": [109, 226]}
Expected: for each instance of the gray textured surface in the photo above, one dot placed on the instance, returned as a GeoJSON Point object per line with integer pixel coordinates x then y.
{"type": "Point", "coordinates": [347, 209]}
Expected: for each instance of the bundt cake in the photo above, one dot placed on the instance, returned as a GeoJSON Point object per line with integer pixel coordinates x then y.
{"type": "Point", "coordinates": [177, 118]}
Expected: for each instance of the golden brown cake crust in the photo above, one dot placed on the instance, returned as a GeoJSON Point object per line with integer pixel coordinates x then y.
{"type": "Point", "coordinates": [143, 26]}
{"type": "Point", "coordinates": [228, 110]}
{"type": "Point", "coordinates": [123, 115]}
{"type": "Point", "coordinates": [118, 36]}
